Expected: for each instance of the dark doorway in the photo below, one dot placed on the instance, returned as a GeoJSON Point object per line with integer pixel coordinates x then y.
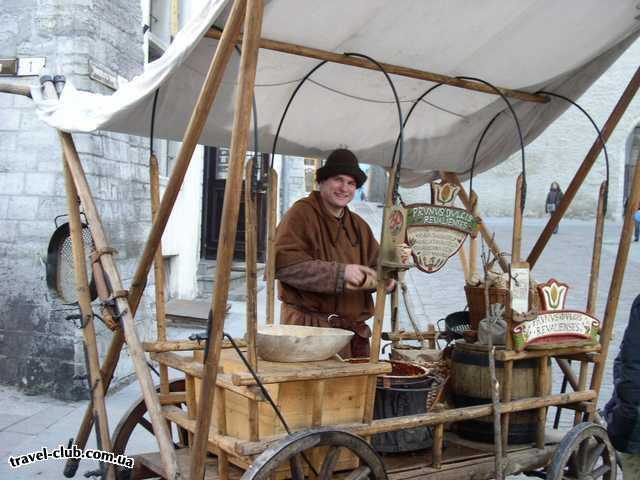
{"type": "Point", "coordinates": [216, 164]}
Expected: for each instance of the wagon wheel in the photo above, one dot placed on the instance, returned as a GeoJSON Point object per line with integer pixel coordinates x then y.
{"type": "Point", "coordinates": [585, 453]}
{"type": "Point", "coordinates": [136, 421]}
{"type": "Point", "coordinates": [291, 451]}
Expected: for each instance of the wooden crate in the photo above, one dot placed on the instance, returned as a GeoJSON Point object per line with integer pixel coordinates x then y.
{"type": "Point", "coordinates": [342, 401]}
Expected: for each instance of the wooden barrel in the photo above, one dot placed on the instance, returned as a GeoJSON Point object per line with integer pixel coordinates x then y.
{"type": "Point", "coordinates": [471, 384]}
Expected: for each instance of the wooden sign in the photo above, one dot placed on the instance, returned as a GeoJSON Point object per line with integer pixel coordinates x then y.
{"type": "Point", "coordinates": [393, 239]}
{"type": "Point", "coordinates": [556, 328]}
{"type": "Point", "coordinates": [519, 287]}
{"type": "Point", "coordinates": [436, 232]}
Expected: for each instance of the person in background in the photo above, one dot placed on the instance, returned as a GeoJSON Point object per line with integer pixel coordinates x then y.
{"type": "Point", "coordinates": [622, 412]}
{"type": "Point", "coordinates": [554, 197]}
{"type": "Point", "coordinates": [326, 256]}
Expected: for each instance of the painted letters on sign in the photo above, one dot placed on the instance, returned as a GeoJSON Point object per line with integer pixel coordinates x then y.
{"type": "Point", "coordinates": [556, 328]}
{"type": "Point", "coordinates": [435, 233]}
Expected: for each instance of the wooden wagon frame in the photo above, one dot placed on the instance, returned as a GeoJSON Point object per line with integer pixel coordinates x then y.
{"type": "Point", "coordinates": [259, 455]}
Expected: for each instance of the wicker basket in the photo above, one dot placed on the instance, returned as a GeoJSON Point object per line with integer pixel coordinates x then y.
{"type": "Point", "coordinates": [477, 308]}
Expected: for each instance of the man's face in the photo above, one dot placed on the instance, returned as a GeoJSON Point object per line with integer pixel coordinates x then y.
{"type": "Point", "coordinates": [338, 191]}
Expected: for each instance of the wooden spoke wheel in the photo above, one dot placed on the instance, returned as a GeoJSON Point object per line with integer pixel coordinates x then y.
{"type": "Point", "coordinates": [135, 426]}
{"type": "Point", "coordinates": [294, 451]}
{"type": "Point", "coordinates": [585, 453]}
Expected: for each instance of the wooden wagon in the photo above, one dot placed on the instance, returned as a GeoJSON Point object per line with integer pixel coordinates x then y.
{"type": "Point", "coordinates": [219, 421]}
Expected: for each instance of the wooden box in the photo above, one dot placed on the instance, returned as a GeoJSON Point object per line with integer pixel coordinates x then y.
{"type": "Point", "coordinates": [304, 403]}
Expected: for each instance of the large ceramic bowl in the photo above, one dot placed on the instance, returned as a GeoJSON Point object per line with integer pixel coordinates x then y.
{"type": "Point", "coordinates": [292, 343]}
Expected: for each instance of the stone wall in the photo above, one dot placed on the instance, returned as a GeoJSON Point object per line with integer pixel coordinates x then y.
{"type": "Point", "coordinates": [39, 349]}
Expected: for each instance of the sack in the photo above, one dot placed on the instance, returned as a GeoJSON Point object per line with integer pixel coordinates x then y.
{"type": "Point", "coordinates": [498, 332]}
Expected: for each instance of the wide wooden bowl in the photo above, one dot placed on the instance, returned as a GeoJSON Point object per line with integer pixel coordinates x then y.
{"type": "Point", "coordinates": [293, 343]}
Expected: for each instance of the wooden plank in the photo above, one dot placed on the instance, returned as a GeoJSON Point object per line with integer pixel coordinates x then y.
{"type": "Point", "coordinates": [230, 210]}
{"type": "Point", "coordinates": [172, 398]}
{"type": "Point", "coordinates": [482, 468]}
{"type": "Point", "coordinates": [473, 241]}
{"type": "Point", "coordinates": [432, 418]}
{"type": "Point", "coordinates": [185, 345]}
{"type": "Point", "coordinates": [152, 462]}
{"type": "Point", "coordinates": [195, 369]}
{"type": "Point", "coordinates": [585, 167]}
{"type": "Point", "coordinates": [597, 251]}
{"type": "Point", "coordinates": [504, 355]}
{"type": "Point", "coordinates": [221, 424]}
{"type": "Point", "coordinates": [543, 389]}
{"type": "Point", "coordinates": [309, 371]}
{"type": "Point", "coordinates": [392, 69]}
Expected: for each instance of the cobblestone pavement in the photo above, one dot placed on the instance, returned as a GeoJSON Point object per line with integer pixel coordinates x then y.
{"type": "Point", "coordinates": [29, 423]}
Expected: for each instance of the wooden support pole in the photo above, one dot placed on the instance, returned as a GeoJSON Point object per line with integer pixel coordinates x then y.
{"type": "Point", "coordinates": [393, 69]}
{"type": "Point", "coordinates": [272, 198]}
{"type": "Point", "coordinates": [97, 389]}
{"type": "Point", "coordinates": [221, 420]}
{"type": "Point", "coordinates": [616, 280]}
{"type": "Point", "coordinates": [438, 440]}
{"type": "Point", "coordinates": [231, 207]}
{"type": "Point", "coordinates": [516, 240]}
{"type": "Point", "coordinates": [158, 270]}
{"type": "Point", "coordinates": [192, 135]}
{"type": "Point", "coordinates": [473, 241]}
{"type": "Point", "coordinates": [581, 174]}
{"type": "Point", "coordinates": [251, 258]}
{"type": "Point", "coordinates": [543, 390]}
{"type": "Point", "coordinates": [464, 263]}
{"type": "Point", "coordinates": [136, 352]}
{"type": "Point", "coordinates": [484, 231]}
{"type": "Point", "coordinates": [592, 297]}
{"type": "Point", "coordinates": [582, 384]}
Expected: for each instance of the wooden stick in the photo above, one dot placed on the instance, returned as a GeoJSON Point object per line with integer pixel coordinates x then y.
{"type": "Point", "coordinates": [432, 418]}
{"type": "Point", "coordinates": [507, 387]}
{"type": "Point", "coordinates": [395, 297]}
{"type": "Point", "coordinates": [251, 258]}
{"type": "Point", "coordinates": [136, 353]}
{"type": "Point", "coordinates": [226, 243]}
{"type": "Point", "coordinates": [464, 263]}
{"type": "Point", "coordinates": [103, 439]}
{"type": "Point", "coordinates": [272, 197]}
{"type": "Point", "coordinates": [185, 345]}
{"type": "Point", "coordinates": [438, 439]}
{"type": "Point", "coordinates": [158, 270]}
{"type": "Point", "coordinates": [484, 231]}
{"type": "Point", "coordinates": [15, 89]}
{"type": "Point", "coordinates": [597, 251]}
{"type": "Point", "coordinates": [473, 241]}
{"type": "Point", "coordinates": [192, 134]}
{"type": "Point", "coordinates": [543, 390]}
{"type": "Point", "coordinates": [393, 69]}
{"type": "Point", "coordinates": [516, 240]}
{"type": "Point", "coordinates": [221, 420]}
{"type": "Point", "coordinates": [581, 174]}
{"type": "Point", "coordinates": [192, 405]}
{"type": "Point", "coordinates": [616, 280]}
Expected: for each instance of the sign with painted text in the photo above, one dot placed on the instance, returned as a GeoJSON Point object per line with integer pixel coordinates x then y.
{"type": "Point", "coordinates": [436, 232]}
{"type": "Point", "coordinates": [556, 328]}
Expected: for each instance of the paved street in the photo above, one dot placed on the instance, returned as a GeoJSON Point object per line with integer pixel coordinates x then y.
{"type": "Point", "coordinates": [29, 423]}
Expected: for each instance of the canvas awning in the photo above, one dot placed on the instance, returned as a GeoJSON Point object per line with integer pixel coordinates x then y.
{"type": "Point", "coordinates": [526, 45]}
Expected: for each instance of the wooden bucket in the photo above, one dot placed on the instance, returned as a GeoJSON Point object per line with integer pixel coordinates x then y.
{"type": "Point", "coordinates": [471, 385]}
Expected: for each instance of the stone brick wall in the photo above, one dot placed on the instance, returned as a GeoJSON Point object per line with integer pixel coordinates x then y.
{"type": "Point", "coordinates": [40, 350]}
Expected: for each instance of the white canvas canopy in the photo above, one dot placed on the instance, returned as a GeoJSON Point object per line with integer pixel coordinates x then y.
{"type": "Point", "coordinates": [526, 45]}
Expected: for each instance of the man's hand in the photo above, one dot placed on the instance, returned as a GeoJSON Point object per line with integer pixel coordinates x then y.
{"type": "Point", "coordinates": [356, 275]}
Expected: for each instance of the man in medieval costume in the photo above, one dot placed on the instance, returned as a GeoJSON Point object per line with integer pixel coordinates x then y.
{"type": "Point", "coordinates": [326, 256]}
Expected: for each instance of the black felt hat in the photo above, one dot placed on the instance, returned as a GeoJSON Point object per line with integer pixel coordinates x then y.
{"type": "Point", "coordinates": [341, 162]}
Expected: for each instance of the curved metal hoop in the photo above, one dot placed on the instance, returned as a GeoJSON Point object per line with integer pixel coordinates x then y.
{"type": "Point", "coordinates": [598, 131]}
{"type": "Point", "coordinates": [395, 95]}
{"type": "Point", "coordinates": [520, 137]}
